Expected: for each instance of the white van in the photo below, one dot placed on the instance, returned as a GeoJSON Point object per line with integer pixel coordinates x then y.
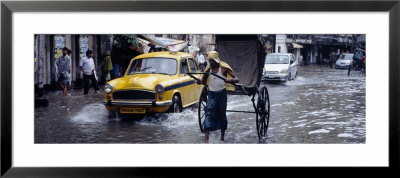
{"type": "Point", "coordinates": [280, 66]}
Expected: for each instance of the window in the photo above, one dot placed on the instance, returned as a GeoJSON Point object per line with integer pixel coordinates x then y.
{"type": "Point", "coordinates": [193, 66]}
{"type": "Point", "coordinates": [184, 67]}
{"type": "Point", "coordinates": [277, 59]}
{"type": "Point", "coordinates": [153, 65]}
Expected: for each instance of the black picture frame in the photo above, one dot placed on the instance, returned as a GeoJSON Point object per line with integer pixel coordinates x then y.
{"type": "Point", "coordinates": [8, 7]}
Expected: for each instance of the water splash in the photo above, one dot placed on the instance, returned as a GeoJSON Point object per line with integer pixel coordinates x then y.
{"type": "Point", "coordinates": [187, 118]}
{"type": "Point", "coordinates": [91, 113]}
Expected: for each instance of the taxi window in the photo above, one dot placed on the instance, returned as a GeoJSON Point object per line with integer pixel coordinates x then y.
{"type": "Point", "coordinates": [193, 66]}
{"type": "Point", "coordinates": [184, 67]}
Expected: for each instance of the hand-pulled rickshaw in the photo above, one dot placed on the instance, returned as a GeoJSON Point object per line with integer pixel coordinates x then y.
{"type": "Point", "coordinates": [245, 54]}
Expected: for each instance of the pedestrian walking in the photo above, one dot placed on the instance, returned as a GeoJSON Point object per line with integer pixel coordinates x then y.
{"type": "Point", "coordinates": [107, 67]}
{"type": "Point", "coordinates": [300, 60]}
{"type": "Point", "coordinates": [332, 58]}
{"type": "Point", "coordinates": [215, 110]}
{"type": "Point", "coordinates": [69, 75]}
{"type": "Point", "coordinates": [88, 70]}
{"type": "Point", "coordinates": [201, 61]}
{"type": "Point", "coordinates": [64, 68]}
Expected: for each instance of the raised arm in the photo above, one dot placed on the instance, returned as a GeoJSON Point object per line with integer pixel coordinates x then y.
{"type": "Point", "coordinates": [232, 74]}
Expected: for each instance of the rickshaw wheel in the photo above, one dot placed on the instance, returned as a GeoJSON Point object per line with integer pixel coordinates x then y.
{"type": "Point", "coordinates": [202, 107]}
{"type": "Point", "coordinates": [262, 113]}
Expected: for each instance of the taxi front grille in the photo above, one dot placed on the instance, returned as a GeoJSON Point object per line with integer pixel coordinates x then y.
{"type": "Point", "coordinates": [133, 95]}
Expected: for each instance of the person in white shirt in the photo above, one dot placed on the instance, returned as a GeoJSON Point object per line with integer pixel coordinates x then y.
{"type": "Point", "coordinates": [64, 68]}
{"type": "Point", "coordinates": [300, 59]}
{"type": "Point", "coordinates": [201, 60]}
{"type": "Point", "coordinates": [87, 67]}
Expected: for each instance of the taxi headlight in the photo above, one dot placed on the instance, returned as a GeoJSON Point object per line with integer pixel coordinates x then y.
{"type": "Point", "coordinates": [159, 89]}
{"type": "Point", "coordinates": [284, 71]}
{"type": "Point", "coordinates": [108, 88]}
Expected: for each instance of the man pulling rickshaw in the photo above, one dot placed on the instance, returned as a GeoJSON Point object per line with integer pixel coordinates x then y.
{"type": "Point", "coordinates": [217, 95]}
{"type": "Point", "coordinates": [246, 55]}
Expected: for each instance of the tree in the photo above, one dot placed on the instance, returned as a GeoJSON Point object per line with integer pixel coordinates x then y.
{"type": "Point", "coordinates": [124, 49]}
{"type": "Point", "coordinates": [126, 41]}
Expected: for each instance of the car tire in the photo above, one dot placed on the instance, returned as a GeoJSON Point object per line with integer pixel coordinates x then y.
{"type": "Point", "coordinates": [176, 106]}
{"type": "Point", "coordinates": [113, 114]}
{"type": "Point", "coordinates": [290, 77]}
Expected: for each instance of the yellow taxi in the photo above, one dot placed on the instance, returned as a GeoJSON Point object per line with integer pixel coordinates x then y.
{"type": "Point", "coordinates": [154, 82]}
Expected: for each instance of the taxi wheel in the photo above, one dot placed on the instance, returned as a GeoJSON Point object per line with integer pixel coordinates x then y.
{"type": "Point", "coordinates": [113, 114]}
{"type": "Point", "coordinates": [176, 106]}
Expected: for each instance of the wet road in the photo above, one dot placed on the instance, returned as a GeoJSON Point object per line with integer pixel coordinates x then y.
{"type": "Point", "coordinates": [321, 106]}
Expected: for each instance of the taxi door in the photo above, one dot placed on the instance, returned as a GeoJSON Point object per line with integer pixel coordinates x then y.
{"type": "Point", "coordinates": [196, 89]}
{"type": "Point", "coordinates": [186, 84]}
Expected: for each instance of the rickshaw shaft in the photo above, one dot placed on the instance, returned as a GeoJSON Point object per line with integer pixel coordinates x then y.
{"type": "Point", "coordinates": [240, 111]}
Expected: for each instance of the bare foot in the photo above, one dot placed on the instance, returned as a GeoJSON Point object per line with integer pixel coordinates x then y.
{"type": "Point", "coordinates": [206, 136]}
{"type": "Point", "coordinates": [222, 135]}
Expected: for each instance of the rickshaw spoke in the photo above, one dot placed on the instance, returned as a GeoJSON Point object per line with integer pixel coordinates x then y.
{"type": "Point", "coordinates": [263, 130]}
{"type": "Point", "coordinates": [263, 96]}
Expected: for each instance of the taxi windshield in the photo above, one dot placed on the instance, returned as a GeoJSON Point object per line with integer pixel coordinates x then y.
{"type": "Point", "coordinates": [277, 59]}
{"type": "Point", "coordinates": [155, 65]}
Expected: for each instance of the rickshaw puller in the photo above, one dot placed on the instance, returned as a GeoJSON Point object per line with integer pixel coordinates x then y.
{"type": "Point", "coordinates": [215, 111]}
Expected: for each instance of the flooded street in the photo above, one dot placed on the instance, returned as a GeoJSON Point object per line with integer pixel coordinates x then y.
{"type": "Point", "coordinates": [322, 105]}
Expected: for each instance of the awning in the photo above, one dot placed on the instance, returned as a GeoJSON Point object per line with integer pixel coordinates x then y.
{"type": "Point", "coordinates": [170, 44]}
{"type": "Point", "coordinates": [295, 45]}
{"type": "Point", "coordinates": [144, 48]}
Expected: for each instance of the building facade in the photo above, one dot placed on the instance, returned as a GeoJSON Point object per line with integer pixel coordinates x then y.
{"type": "Point", "coordinates": [48, 48]}
{"type": "Point", "coordinates": [316, 48]}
